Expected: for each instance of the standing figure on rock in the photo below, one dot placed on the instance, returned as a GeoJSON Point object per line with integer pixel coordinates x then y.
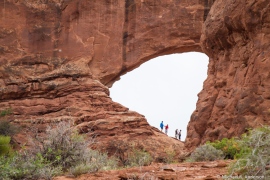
{"type": "Point", "coordinates": [161, 126]}
{"type": "Point", "coordinates": [176, 133]}
{"type": "Point", "coordinates": [166, 129]}
{"type": "Point", "coordinates": [179, 134]}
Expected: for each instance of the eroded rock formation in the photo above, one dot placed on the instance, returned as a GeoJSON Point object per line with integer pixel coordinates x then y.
{"type": "Point", "coordinates": [235, 96]}
{"type": "Point", "coordinates": [58, 58]}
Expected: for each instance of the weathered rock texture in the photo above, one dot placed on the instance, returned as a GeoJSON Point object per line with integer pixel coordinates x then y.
{"type": "Point", "coordinates": [236, 95]}
{"type": "Point", "coordinates": [58, 58]}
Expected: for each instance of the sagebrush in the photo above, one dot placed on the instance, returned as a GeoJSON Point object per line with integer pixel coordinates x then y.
{"type": "Point", "coordinates": [255, 159]}
{"type": "Point", "coordinates": [206, 152]}
{"type": "Point", "coordinates": [63, 146]}
{"type": "Point", "coordinates": [8, 129]}
{"type": "Point", "coordinates": [61, 150]}
{"type": "Point", "coordinates": [139, 157]}
{"type": "Point", "coordinates": [130, 154]}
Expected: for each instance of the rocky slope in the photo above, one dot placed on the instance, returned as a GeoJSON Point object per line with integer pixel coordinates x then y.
{"type": "Point", "coordinates": [58, 58]}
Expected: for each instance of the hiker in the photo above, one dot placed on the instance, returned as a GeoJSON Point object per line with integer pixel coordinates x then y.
{"type": "Point", "coordinates": [179, 134]}
{"type": "Point", "coordinates": [161, 126]}
{"type": "Point", "coordinates": [166, 129]}
{"type": "Point", "coordinates": [176, 133]}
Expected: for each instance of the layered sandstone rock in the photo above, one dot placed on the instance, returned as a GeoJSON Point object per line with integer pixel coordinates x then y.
{"type": "Point", "coordinates": [235, 96]}
{"type": "Point", "coordinates": [58, 58]}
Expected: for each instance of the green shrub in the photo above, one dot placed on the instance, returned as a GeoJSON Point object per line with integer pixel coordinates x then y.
{"type": "Point", "coordinates": [28, 166]}
{"type": "Point", "coordinates": [8, 129]}
{"type": "Point", "coordinates": [101, 161]}
{"type": "Point", "coordinates": [255, 159]}
{"type": "Point", "coordinates": [139, 157]}
{"type": "Point", "coordinates": [47, 172]}
{"type": "Point", "coordinates": [5, 147]}
{"type": "Point", "coordinates": [119, 149]}
{"type": "Point", "coordinates": [206, 152]}
{"type": "Point", "coordinates": [130, 154]}
{"type": "Point", "coordinates": [24, 166]}
{"type": "Point", "coordinates": [80, 169]}
{"type": "Point", "coordinates": [231, 147]}
{"type": "Point", "coordinates": [5, 112]}
{"type": "Point", "coordinates": [94, 161]}
{"type": "Point", "coordinates": [5, 162]}
{"type": "Point", "coordinates": [170, 156]}
{"type": "Point", "coordinates": [63, 146]}
{"type": "Point", "coordinates": [61, 150]}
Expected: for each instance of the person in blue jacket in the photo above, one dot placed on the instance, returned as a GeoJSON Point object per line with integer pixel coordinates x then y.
{"type": "Point", "coordinates": [161, 126]}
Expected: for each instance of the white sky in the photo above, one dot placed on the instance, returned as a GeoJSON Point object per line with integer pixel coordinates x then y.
{"type": "Point", "coordinates": [164, 89]}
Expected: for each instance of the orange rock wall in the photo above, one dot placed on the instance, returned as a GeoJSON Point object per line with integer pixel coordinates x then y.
{"type": "Point", "coordinates": [58, 58]}
{"type": "Point", "coordinates": [235, 96]}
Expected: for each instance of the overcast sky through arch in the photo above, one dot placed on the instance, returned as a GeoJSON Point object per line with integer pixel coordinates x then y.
{"type": "Point", "coordinates": [164, 89]}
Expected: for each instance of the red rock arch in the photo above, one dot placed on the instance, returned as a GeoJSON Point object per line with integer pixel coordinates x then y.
{"type": "Point", "coordinates": [57, 59]}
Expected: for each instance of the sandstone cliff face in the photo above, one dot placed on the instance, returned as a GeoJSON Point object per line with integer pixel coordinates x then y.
{"type": "Point", "coordinates": [235, 96]}
{"type": "Point", "coordinates": [58, 58]}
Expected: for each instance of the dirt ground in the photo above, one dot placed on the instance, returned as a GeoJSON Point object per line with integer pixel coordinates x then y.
{"type": "Point", "coordinates": [182, 171]}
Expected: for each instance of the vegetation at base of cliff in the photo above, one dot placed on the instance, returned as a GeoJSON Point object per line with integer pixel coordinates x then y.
{"type": "Point", "coordinates": [8, 129]}
{"type": "Point", "coordinates": [255, 160]}
{"type": "Point", "coordinates": [26, 166]}
{"type": "Point", "coordinates": [170, 156]}
{"type": "Point", "coordinates": [206, 152]}
{"type": "Point", "coordinates": [231, 148]}
{"type": "Point", "coordinates": [130, 155]}
{"type": "Point", "coordinates": [5, 147]}
{"type": "Point", "coordinates": [6, 112]}
{"type": "Point", "coordinates": [139, 157]}
{"type": "Point", "coordinates": [62, 150]}
{"type": "Point", "coordinates": [251, 153]}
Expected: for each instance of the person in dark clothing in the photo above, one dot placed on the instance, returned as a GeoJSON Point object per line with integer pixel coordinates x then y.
{"type": "Point", "coordinates": [179, 135]}
{"type": "Point", "coordinates": [176, 133]}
